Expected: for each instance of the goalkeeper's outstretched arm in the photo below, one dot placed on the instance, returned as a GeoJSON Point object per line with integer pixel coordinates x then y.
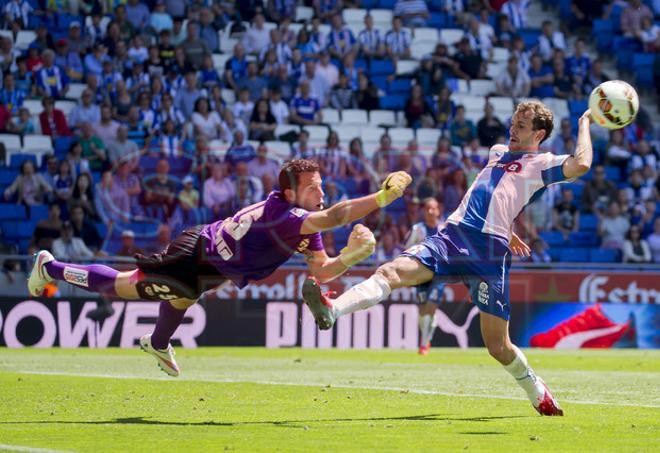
{"type": "Point", "coordinates": [348, 211]}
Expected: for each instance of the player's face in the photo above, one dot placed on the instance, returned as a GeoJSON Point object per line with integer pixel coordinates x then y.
{"type": "Point", "coordinates": [309, 195]}
{"type": "Point", "coordinates": [522, 135]}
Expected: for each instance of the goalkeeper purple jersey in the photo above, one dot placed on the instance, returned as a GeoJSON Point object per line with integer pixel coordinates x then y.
{"type": "Point", "coordinates": [258, 239]}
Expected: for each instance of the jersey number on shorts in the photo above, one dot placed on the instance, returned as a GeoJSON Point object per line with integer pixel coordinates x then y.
{"type": "Point", "coordinates": [160, 291]}
{"type": "Point", "coordinates": [237, 229]}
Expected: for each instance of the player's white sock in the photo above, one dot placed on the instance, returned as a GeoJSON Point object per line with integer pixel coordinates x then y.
{"type": "Point", "coordinates": [426, 328]}
{"type": "Point", "coordinates": [362, 296]}
{"type": "Point", "coordinates": [525, 377]}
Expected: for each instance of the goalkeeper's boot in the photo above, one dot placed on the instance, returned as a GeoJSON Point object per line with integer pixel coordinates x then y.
{"type": "Point", "coordinates": [164, 357]}
{"type": "Point", "coordinates": [548, 405]}
{"type": "Point", "coordinates": [424, 349]}
{"type": "Point", "coordinates": [319, 304]}
{"type": "Point", "coordinates": [39, 278]}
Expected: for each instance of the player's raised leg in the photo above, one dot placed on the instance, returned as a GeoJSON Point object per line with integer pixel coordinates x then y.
{"type": "Point", "coordinates": [403, 271]}
{"type": "Point", "coordinates": [495, 332]}
{"type": "Point", "coordinates": [91, 277]}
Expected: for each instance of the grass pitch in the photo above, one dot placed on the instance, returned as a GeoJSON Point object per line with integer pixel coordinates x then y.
{"type": "Point", "coordinates": [253, 399]}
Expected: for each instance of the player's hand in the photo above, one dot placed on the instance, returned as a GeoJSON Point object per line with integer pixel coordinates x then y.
{"type": "Point", "coordinates": [519, 247]}
{"type": "Point", "coordinates": [361, 245]}
{"type": "Point", "coordinates": [392, 188]}
{"type": "Point", "coordinates": [586, 116]}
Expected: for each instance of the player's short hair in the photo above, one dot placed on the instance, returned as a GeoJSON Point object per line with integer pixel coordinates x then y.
{"type": "Point", "coordinates": [543, 117]}
{"type": "Point", "coordinates": [291, 171]}
{"type": "Point", "coordinates": [427, 200]}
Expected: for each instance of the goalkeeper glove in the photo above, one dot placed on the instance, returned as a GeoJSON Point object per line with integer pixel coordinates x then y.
{"type": "Point", "coordinates": [361, 244]}
{"type": "Point", "coordinates": [392, 188]}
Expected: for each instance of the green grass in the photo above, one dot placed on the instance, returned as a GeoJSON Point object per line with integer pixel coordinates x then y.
{"type": "Point", "coordinates": [253, 399]}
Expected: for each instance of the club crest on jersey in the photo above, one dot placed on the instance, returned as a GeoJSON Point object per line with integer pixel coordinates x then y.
{"type": "Point", "coordinates": [511, 167]}
{"type": "Point", "coordinates": [482, 294]}
{"type": "Point", "coordinates": [75, 276]}
{"type": "Point", "coordinates": [302, 246]}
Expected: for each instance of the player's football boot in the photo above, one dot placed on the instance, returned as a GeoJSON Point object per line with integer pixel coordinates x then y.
{"type": "Point", "coordinates": [424, 349]}
{"type": "Point", "coordinates": [39, 278]}
{"type": "Point", "coordinates": [319, 304]}
{"type": "Point", "coordinates": [548, 405]}
{"type": "Point", "coordinates": [164, 357]}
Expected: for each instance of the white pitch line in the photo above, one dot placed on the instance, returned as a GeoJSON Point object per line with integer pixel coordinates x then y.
{"type": "Point", "coordinates": [340, 386]}
{"type": "Point", "coordinates": [5, 447]}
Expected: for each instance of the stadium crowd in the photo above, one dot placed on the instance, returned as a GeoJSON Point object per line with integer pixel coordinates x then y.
{"type": "Point", "coordinates": [186, 109]}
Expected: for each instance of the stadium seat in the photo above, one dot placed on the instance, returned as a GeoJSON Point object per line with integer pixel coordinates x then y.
{"type": "Point", "coordinates": [604, 256]}
{"type": "Point", "coordinates": [400, 86]}
{"type": "Point", "coordinates": [643, 67]}
{"type": "Point", "coordinates": [481, 87]}
{"type": "Point", "coordinates": [17, 159]}
{"type": "Point", "coordinates": [406, 67]}
{"type": "Point", "coordinates": [278, 150]}
{"type": "Point", "coordinates": [393, 102]}
{"type": "Point", "coordinates": [574, 255]}
{"type": "Point", "coordinates": [354, 117]}
{"type": "Point", "coordinates": [283, 129]}
{"type": "Point", "coordinates": [347, 132]}
{"type": "Point", "coordinates": [381, 67]}
{"type": "Point", "coordinates": [583, 239]}
{"type": "Point", "coordinates": [438, 20]}
{"type": "Point", "coordinates": [577, 108]}
{"type": "Point", "coordinates": [24, 38]}
{"type": "Point", "coordinates": [371, 134]}
{"type": "Point", "coordinates": [317, 134]}
{"type": "Point", "coordinates": [500, 54]}
{"type": "Point", "coordinates": [382, 18]}
{"type": "Point", "coordinates": [7, 34]}
{"type": "Point", "coordinates": [12, 142]}
{"type": "Point", "coordinates": [530, 36]}
{"type": "Point", "coordinates": [401, 136]}
{"type": "Point", "coordinates": [426, 34]}
{"type": "Point", "coordinates": [451, 36]}
{"type": "Point", "coordinates": [12, 211]}
{"type": "Point", "coordinates": [428, 137]}
{"type": "Point", "coordinates": [420, 49]}
{"type": "Point", "coordinates": [219, 60]}
{"type": "Point", "coordinates": [33, 143]}
{"type": "Point", "coordinates": [33, 106]}
{"type": "Point", "coordinates": [217, 148]}
{"type": "Point", "coordinates": [612, 174]}
{"type": "Point", "coordinates": [7, 176]}
{"type": "Point", "coordinates": [38, 212]}
{"type": "Point", "coordinates": [227, 45]}
{"type": "Point", "coordinates": [379, 118]}
{"type": "Point", "coordinates": [304, 13]}
{"type": "Point", "coordinates": [17, 229]}
{"type": "Point", "coordinates": [331, 116]}
{"type": "Point", "coordinates": [552, 238]}
{"type": "Point", "coordinates": [588, 222]}
{"type": "Point", "coordinates": [494, 69]}
{"type": "Point", "coordinates": [65, 106]}
{"type": "Point", "coordinates": [75, 91]}
{"type": "Point", "coordinates": [354, 16]}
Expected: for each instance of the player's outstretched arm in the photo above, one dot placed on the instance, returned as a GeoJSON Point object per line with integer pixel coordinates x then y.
{"type": "Point", "coordinates": [348, 211]}
{"type": "Point", "coordinates": [361, 245]}
{"type": "Point", "coordinates": [580, 163]}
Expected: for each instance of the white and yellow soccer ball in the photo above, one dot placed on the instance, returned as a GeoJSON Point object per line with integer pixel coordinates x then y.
{"type": "Point", "coordinates": [614, 104]}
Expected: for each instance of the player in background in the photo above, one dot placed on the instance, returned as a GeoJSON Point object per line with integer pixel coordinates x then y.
{"type": "Point", "coordinates": [476, 243]}
{"type": "Point", "coordinates": [246, 247]}
{"type": "Point", "coordinates": [429, 295]}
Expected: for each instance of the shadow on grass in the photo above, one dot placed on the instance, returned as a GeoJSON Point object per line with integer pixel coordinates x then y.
{"type": "Point", "coordinates": [281, 423]}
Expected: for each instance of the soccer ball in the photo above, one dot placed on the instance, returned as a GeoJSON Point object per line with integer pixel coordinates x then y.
{"type": "Point", "coordinates": [614, 104]}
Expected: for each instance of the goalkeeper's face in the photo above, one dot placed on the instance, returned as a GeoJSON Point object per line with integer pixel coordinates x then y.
{"type": "Point", "coordinates": [309, 194]}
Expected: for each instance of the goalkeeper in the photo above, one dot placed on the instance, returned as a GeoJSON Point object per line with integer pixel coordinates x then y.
{"type": "Point", "coordinates": [246, 247]}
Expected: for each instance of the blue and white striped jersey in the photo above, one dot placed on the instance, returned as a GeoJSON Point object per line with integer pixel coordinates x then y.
{"type": "Point", "coordinates": [508, 183]}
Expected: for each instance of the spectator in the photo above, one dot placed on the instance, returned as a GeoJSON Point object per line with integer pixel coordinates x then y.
{"type": "Point", "coordinates": [617, 150]}
{"type": "Point", "coordinates": [455, 190]}
{"type": "Point", "coordinates": [128, 181]}
{"type": "Point", "coordinates": [654, 241]}
{"type": "Point", "coordinates": [243, 107]}
{"type": "Point", "coordinates": [371, 43]}
{"type": "Point", "coordinates": [333, 158]}
{"type": "Point", "coordinates": [340, 40]}
{"type": "Point", "coordinates": [52, 120]}
{"type": "Point", "coordinates": [638, 192]}
{"type": "Point", "coordinates": [95, 60]}
{"type": "Point", "coordinates": [253, 83]}
{"type": "Point", "coordinates": [429, 75]}
{"type": "Point", "coordinates": [414, 13]}
{"type": "Point", "coordinates": [584, 12]}
{"type": "Point", "coordinates": [163, 239]}
{"type": "Point", "coordinates": [461, 130]}
{"type": "Point", "coordinates": [489, 127]}
{"type": "Point", "coordinates": [398, 41]}
{"type": "Point", "coordinates": [631, 17]}
{"type": "Point", "coordinates": [18, 10]}
{"type": "Point", "coordinates": [563, 86]}
{"type": "Point", "coordinates": [106, 128]}
{"type": "Point", "coordinates": [51, 80]}
{"type": "Point", "coordinates": [644, 156]}
{"type": "Point", "coordinates": [257, 37]}
{"type": "Point", "coordinates": [83, 196]}
{"type": "Point", "coordinates": [112, 202]}
{"type": "Point", "coordinates": [325, 9]}
{"type": "Point", "coordinates": [636, 249]}
{"type": "Point", "coordinates": [230, 125]}
{"type": "Point", "coordinates": [541, 78]}
{"type": "Point", "coordinates": [179, 33]}
{"type": "Point", "coordinates": [305, 109]}
{"type": "Point", "coordinates": [262, 122]}
{"type": "Point", "coordinates": [578, 65]}
{"type": "Point", "coordinates": [598, 192]}
{"type": "Point", "coordinates": [516, 11]}
{"type": "Point", "coordinates": [249, 189]}
{"type": "Point", "coordinates": [326, 69]}
{"type": "Point", "coordinates": [159, 19]}
{"type": "Point", "coordinates": [123, 149]}
{"type": "Point", "coordinates": [613, 227]}
{"type": "Point", "coordinates": [219, 192]}
{"type": "Point", "coordinates": [137, 14]}
{"type": "Point", "coordinates": [367, 94]}
{"type": "Point", "coordinates": [93, 149]}
{"type": "Point", "coordinates": [85, 112]}
{"type": "Point", "coordinates": [278, 47]}
{"type": "Point", "coordinates": [208, 31]}
{"type": "Point", "coordinates": [564, 137]}
{"type": "Point", "coordinates": [30, 188]}
{"type": "Point", "coordinates": [649, 35]}
{"type": "Point", "coordinates": [513, 82]}
{"type": "Point", "coordinates": [22, 124]}
{"type": "Point", "coordinates": [549, 40]}
{"type": "Point", "coordinates": [480, 39]}
{"type": "Point", "coordinates": [194, 48]}
{"type": "Point", "coordinates": [63, 186]}
{"type": "Point", "coordinates": [444, 109]}
{"type": "Point", "coordinates": [318, 84]}
{"type": "Point", "coordinates": [278, 107]}
{"type": "Point", "coordinates": [128, 247]}
{"type": "Point", "coordinates": [205, 122]}
{"type": "Point", "coordinates": [342, 96]}
{"type": "Point", "coordinates": [84, 228]}
{"type": "Point", "coordinates": [236, 67]}
{"type": "Point", "coordinates": [160, 193]}
{"type": "Point", "coordinates": [566, 216]}
{"type": "Point", "coordinates": [470, 63]}
{"type": "Point", "coordinates": [387, 249]}
{"type": "Point", "coordinates": [264, 168]}
{"type": "Point", "coordinates": [539, 252]}
{"type": "Point", "coordinates": [239, 151]}
{"type": "Point", "coordinates": [188, 199]}
{"type": "Point", "coordinates": [67, 247]}
{"type": "Point", "coordinates": [302, 149]}
{"type": "Point", "coordinates": [47, 230]}
{"type": "Point", "coordinates": [52, 168]}
{"type": "Point", "coordinates": [186, 97]}
{"type": "Point", "coordinates": [418, 112]}
{"type": "Point", "coordinates": [385, 157]}
{"type": "Point", "coordinates": [10, 95]}
{"type": "Point", "coordinates": [278, 11]}
{"type": "Point", "coordinates": [595, 77]}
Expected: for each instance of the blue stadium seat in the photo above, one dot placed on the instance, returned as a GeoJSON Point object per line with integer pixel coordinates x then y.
{"type": "Point", "coordinates": [12, 211]}
{"type": "Point", "coordinates": [17, 160]}
{"type": "Point", "coordinates": [38, 212]}
{"type": "Point", "coordinates": [574, 255]}
{"type": "Point", "coordinates": [17, 229]}
{"type": "Point", "coordinates": [368, 4]}
{"type": "Point", "coordinates": [438, 20]}
{"type": "Point", "coordinates": [380, 82]}
{"type": "Point", "coordinates": [588, 222]}
{"type": "Point", "coordinates": [7, 176]}
{"type": "Point", "coordinates": [341, 236]}
{"type": "Point", "coordinates": [583, 239]}
{"type": "Point", "coordinates": [386, 4]}
{"type": "Point", "coordinates": [399, 86]}
{"type": "Point", "coordinates": [643, 67]}
{"type": "Point", "coordinates": [530, 36]}
{"type": "Point", "coordinates": [577, 108]}
{"type": "Point", "coordinates": [62, 144]}
{"type": "Point", "coordinates": [554, 253]}
{"type": "Point", "coordinates": [603, 32]}
{"type": "Point", "coordinates": [393, 102]}
{"type": "Point", "coordinates": [552, 238]}
{"type": "Point", "coordinates": [362, 64]}
{"type": "Point", "coordinates": [613, 173]}
{"type": "Point", "coordinates": [604, 256]}
{"type": "Point", "coordinates": [576, 188]}
{"type": "Point", "coordinates": [381, 67]}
